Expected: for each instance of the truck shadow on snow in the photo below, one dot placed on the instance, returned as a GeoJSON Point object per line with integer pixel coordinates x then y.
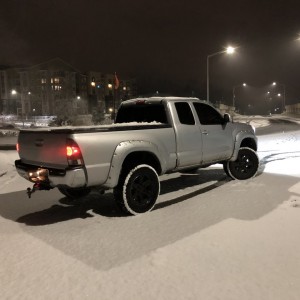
{"type": "Point", "coordinates": [93, 231]}
{"type": "Point", "coordinates": [104, 205]}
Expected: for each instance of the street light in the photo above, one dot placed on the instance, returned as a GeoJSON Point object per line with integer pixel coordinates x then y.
{"type": "Point", "coordinates": [233, 92]}
{"type": "Point", "coordinates": [33, 112]}
{"type": "Point", "coordinates": [228, 50]}
{"type": "Point", "coordinates": [283, 98]}
{"type": "Point", "coordinates": [12, 104]}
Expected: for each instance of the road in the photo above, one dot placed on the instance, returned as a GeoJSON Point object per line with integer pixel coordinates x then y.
{"type": "Point", "coordinates": [90, 235]}
{"type": "Point", "coordinates": [270, 124]}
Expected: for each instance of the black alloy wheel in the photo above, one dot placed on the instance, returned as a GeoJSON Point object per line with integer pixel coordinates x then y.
{"type": "Point", "coordinates": [245, 166]}
{"type": "Point", "coordinates": [138, 191]}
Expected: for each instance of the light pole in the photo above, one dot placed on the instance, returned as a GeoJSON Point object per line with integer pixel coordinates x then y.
{"type": "Point", "coordinates": [111, 99]}
{"type": "Point", "coordinates": [33, 112]}
{"type": "Point", "coordinates": [233, 93]}
{"type": "Point", "coordinates": [283, 98]}
{"type": "Point", "coordinates": [12, 105]}
{"type": "Point", "coordinates": [228, 50]}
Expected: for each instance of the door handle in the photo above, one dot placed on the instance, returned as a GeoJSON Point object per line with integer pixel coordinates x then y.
{"type": "Point", "coordinates": [204, 132]}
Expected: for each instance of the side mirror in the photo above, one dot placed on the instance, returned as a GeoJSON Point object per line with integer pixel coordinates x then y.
{"type": "Point", "coordinates": [227, 118]}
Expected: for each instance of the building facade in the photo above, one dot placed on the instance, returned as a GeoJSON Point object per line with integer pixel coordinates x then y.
{"type": "Point", "coordinates": [58, 89]}
{"type": "Point", "coordinates": [105, 95]}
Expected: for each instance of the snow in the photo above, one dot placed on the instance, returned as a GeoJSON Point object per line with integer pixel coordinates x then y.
{"type": "Point", "coordinates": [207, 238]}
{"type": "Point", "coordinates": [98, 127]}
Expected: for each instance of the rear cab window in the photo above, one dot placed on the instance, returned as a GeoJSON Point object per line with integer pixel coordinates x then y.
{"type": "Point", "coordinates": [145, 112]}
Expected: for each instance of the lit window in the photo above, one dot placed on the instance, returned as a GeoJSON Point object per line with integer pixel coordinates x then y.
{"type": "Point", "coordinates": [55, 80]}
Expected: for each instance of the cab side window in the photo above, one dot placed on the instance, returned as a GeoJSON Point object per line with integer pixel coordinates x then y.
{"type": "Point", "coordinates": [184, 113]}
{"type": "Point", "coordinates": [208, 115]}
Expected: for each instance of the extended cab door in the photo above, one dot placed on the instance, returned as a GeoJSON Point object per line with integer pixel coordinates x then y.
{"type": "Point", "coordinates": [188, 135]}
{"type": "Point", "coordinates": [216, 134]}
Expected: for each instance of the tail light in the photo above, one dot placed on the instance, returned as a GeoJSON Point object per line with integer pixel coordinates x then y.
{"type": "Point", "coordinates": [17, 147]}
{"type": "Point", "coordinates": [73, 153]}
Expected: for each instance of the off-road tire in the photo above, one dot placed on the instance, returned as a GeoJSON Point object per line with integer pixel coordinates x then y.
{"type": "Point", "coordinates": [245, 166]}
{"type": "Point", "coordinates": [137, 190]}
{"type": "Point", "coordinates": [225, 168]}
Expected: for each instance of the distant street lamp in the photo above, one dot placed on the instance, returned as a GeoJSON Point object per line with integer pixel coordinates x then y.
{"type": "Point", "coordinates": [228, 50]}
{"type": "Point", "coordinates": [111, 110]}
{"type": "Point", "coordinates": [33, 112]}
{"type": "Point", "coordinates": [12, 104]}
{"type": "Point", "coordinates": [283, 98]}
{"type": "Point", "coordinates": [233, 92]}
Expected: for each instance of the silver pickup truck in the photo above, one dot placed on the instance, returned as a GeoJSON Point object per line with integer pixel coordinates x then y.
{"type": "Point", "coordinates": [150, 137]}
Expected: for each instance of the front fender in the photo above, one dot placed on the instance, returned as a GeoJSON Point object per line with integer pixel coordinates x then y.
{"type": "Point", "coordinates": [123, 150]}
{"type": "Point", "coordinates": [240, 137]}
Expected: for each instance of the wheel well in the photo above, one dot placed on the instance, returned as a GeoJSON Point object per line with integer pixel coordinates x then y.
{"type": "Point", "coordinates": [250, 143]}
{"type": "Point", "coordinates": [142, 157]}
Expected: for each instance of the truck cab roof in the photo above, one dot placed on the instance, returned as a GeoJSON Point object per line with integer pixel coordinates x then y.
{"type": "Point", "coordinates": [145, 100]}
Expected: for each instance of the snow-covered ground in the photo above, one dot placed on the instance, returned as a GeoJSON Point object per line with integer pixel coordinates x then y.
{"type": "Point", "coordinates": [208, 238]}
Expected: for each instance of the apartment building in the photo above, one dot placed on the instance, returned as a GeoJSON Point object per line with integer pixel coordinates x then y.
{"type": "Point", "coordinates": [107, 91]}
{"type": "Point", "coordinates": [55, 87]}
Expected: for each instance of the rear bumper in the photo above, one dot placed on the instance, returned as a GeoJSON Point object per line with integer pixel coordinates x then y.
{"type": "Point", "coordinates": [73, 177]}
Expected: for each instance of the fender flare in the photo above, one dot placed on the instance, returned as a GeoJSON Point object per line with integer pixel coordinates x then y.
{"type": "Point", "coordinates": [123, 150]}
{"type": "Point", "coordinates": [238, 141]}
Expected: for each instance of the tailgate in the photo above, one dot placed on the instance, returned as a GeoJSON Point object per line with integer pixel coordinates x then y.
{"type": "Point", "coordinates": [43, 148]}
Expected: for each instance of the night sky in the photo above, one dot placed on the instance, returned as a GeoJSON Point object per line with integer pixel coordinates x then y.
{"type": "Point", "coordinates": [164, 44]}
